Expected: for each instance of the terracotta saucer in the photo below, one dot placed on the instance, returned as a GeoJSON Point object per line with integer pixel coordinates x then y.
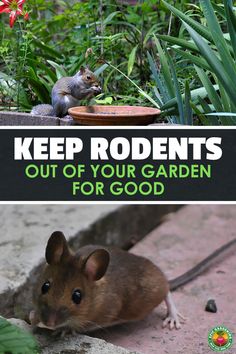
{"type": "Point", "coordinates": [114, 115]}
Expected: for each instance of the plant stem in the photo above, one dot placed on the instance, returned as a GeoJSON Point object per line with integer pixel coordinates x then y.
{"type": "Point", "coordinates": [133, 83]}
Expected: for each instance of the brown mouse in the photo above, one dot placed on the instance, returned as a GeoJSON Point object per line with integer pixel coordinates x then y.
{"type": "Point", "coordinates": [102, 286]}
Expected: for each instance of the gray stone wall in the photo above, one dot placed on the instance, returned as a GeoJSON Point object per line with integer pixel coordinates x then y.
{"type": "Point", "coordinates": [16, 118]}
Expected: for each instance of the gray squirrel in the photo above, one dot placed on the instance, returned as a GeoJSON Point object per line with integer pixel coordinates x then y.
{"type": "Point", "coordinates": [68, 91]}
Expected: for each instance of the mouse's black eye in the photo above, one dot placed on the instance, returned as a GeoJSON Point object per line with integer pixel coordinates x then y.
{"type": "Point", "coordinates": [76, 296]}
{"type": "Point", "coordinates": [88, 77]}
{"type": "Point", "coordinates": [45, 287]}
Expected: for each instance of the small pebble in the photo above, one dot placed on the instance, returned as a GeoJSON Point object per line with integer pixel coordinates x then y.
{"type": "Point", "coordinates": [211, 306]}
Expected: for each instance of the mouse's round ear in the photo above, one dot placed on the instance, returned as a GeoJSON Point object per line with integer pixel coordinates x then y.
{"type": "Point", "coordinates": [57, 249]}
{"type": "Point", "coordinates": [96, 264]}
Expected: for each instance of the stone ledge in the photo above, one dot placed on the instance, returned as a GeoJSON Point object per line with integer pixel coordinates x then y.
{"type": "Point", "coordinates": [21, 119]}
{"type": "Point", "coordinates": [72, 344]}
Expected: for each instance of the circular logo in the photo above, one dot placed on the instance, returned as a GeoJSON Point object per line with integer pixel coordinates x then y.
{"type": "Point", "coordinates": [220, 339]}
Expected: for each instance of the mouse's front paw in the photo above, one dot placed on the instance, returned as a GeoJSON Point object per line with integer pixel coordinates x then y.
{"type": "Point", "coordinates": [64, 332]}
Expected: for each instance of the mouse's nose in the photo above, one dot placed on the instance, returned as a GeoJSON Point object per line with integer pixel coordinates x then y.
{"type": "Point", "coordinates": [53, 317]}
{"type": "Point", "coordinates": [52, 320]}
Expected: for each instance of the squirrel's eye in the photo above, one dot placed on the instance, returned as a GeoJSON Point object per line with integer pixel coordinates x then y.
{"type": "Point", "coordinates": [45, 287]}
{"type": "Point", "coordinates": [76, 296]}
{"type": "Point", "coordinates": [88, 77]}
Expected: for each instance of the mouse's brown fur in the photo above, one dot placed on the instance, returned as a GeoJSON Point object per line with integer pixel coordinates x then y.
{"type": "Point", "coordinates": [116, 287]}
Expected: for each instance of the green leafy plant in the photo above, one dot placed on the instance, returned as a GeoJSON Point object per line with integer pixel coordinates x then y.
{"type": "Point", "coordinates": [60, 32]}
{"type": "Point", "coordinates": [13, 340]}
{"type": "Point", "coordinates": [168, 88]}
{"type": "Point", "coordinates": [213, 53]}
{"type": "Point", "coordinates": [176, 55]}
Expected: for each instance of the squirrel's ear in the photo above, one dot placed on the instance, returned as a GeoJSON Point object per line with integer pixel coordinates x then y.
{"type": "Point", "coordinates": [96, 264]}
{"type": "Point", "coordinates": [82, 70]}
{"type": "Point", "coordinates": [57, 249]}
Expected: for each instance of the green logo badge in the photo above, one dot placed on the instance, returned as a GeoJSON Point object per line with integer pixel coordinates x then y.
{"type": "Point", "coordinates": [220, 339]}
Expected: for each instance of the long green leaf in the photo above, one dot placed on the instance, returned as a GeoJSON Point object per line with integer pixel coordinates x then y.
{"type": "Point", "coordinates": [226, 118]}
{"type": "Point", "coordinates": [177, 88]}
{"type": "Point", "coordinates": [165, 68]}
{"type": "Point", "coordinates": [224, 98]}
{"type": "Point", "coordinates": [203, 31]}
{"type": "Point", "coordinates": [220, 10]}
{"type": "Point", "coordinates": [157, 77]}
{"type": "Point", "coordinates": [213, 96]}
{"type": "Point", "coordinates": [40, 90]}
{"type": "Point", "coordinates": [194, 94]}
{"type": "Point", "coordinates": [183, 43]}
{"type": "Point", "coordinates": [193, 59]}
{"type": "Point", "coordinates": [231, 22]}
{"type": "Point", "coordinates": [207, 109]}
{"type": "Point", "coordinates": [148, 97]}
{"type": "Point", "coordinates": [131, 60]}
{"type": "Point", "coordinates": [158, 96]}
{"type": "Point", "coordinates": [188, 109]}
{"type": "Point", "coordinates": [107, 78]}
{"type": "Point", "coordinates": [60, 71]}
{"type": "Point", "coordinates": [142, 92]}
{"type": "Point", "coordinates": [214, 62]}
{"type": "Point", "coordinates": [110, 17]}
{"type": "Point", "coordinates": [46, 49]}
{"type": "Point", "coordinates": [31, 73]}
{"type": "Point", "coordinates": [42, 66]}
{"type": "Point", "coordinates": [130, 26]}
{"type": "Point", "coordinates": [150, 32]}
{"type": "Point", "coordinates": [101, 69]}
{"type": "Point", "coordinates": [213, 24]}
{"type": "Point", "coordinates": [223, 114]}
{"type": "Point", "coordinates": [218, 38]}
{"type": "Point", "coordinates": [47, 85]}
{"type": "Point", "coordinates": [202, 117]}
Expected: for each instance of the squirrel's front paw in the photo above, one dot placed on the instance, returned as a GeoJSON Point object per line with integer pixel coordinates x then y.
{"type": "Point", "coordinates": [96, 89]}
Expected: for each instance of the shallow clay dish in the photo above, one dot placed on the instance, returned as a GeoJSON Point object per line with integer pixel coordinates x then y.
{"type": "Point", "coordinates": [114, 115]}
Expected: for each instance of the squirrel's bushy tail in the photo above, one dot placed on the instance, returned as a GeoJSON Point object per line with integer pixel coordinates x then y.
{"type": "Point", "coordinates": [43, 110]}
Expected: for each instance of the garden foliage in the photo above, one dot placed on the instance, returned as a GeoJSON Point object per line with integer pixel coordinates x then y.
{"type": "Point", "coordinates": [176, 55]}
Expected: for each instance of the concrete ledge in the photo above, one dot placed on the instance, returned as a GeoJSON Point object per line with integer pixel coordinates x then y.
{"type": "Point", "coordinates": [21, 119]}
{"type": "Point", "coordinates": [72, 344]}
{"type": "Point", "coordinates": [16, 118]}
{"type": "Point", "coordinates": [68, 120]}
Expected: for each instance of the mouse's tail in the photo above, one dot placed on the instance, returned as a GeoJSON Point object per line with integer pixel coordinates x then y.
{"type": "Point", "coordinates": [202, 266]}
